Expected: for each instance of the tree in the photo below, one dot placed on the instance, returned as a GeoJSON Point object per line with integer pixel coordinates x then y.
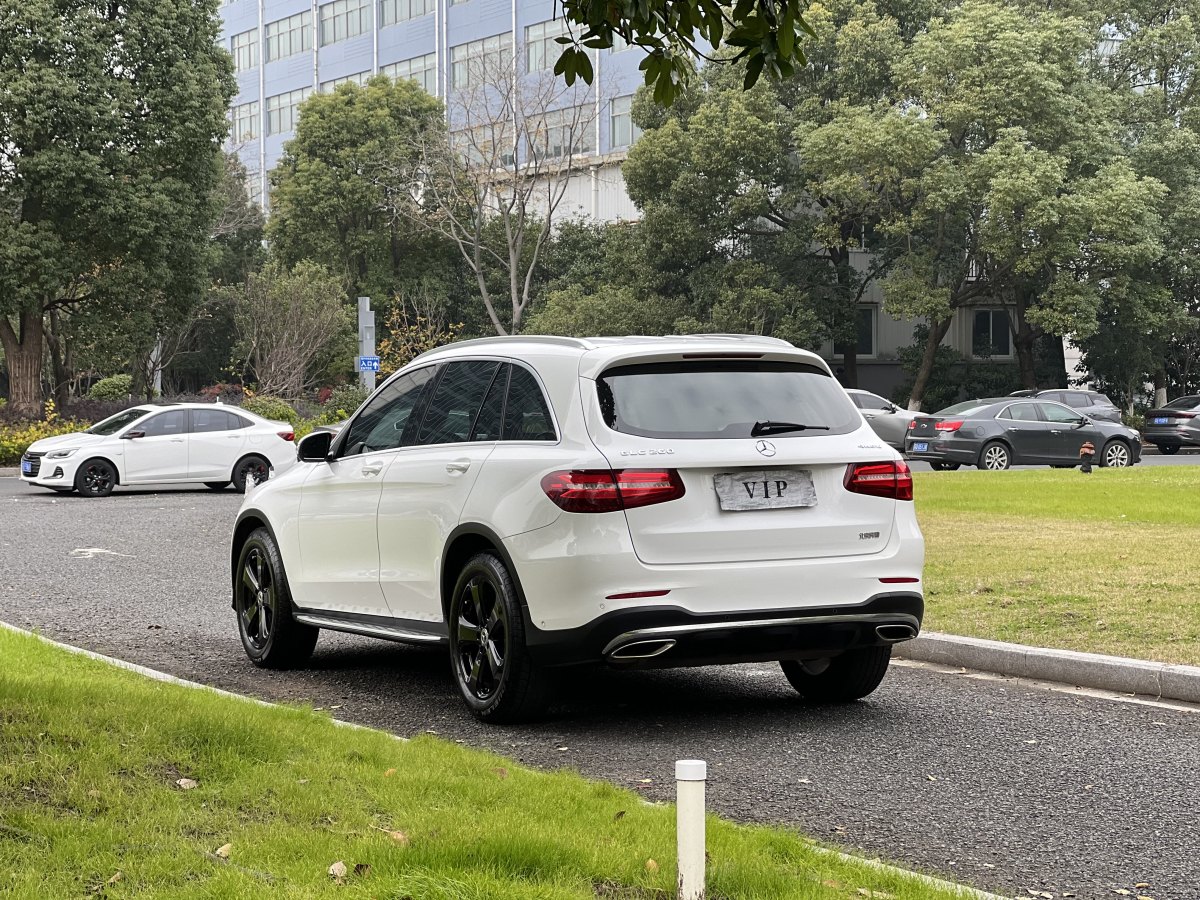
{"type": "Point", "coordinates": [111, 120]}
{"type": "Point", "coordinates": [491, 181]}
{"type": "Point", "coordinates": [285, 320]}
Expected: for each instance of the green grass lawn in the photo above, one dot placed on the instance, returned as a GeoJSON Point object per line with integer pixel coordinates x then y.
{"type": "Point", "coordinates": [90, 757]}
{"type": "Point", "coordinates": [1055, 558]}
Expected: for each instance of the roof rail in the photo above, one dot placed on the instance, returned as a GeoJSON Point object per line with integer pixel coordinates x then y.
{"type": "Point", "coordinates": [553, 340]}
{"type": "Point", "coordinates": [759, 338]}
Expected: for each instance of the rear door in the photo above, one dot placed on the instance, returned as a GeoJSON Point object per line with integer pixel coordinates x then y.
{"type": "Point", "coordinates": [750, 493]}
{"type": "Point", "coordinates": [216, 442]}
{"type": "Point", "coordinates": [1026, 433]}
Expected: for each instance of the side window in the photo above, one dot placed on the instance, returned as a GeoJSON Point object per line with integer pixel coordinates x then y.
{"type": "Point", "coordinates": [526, 416]}
{"type": "Point", "coordinates": [1021, 412]}
{"type": "Point", "coordinates": [236, 422]}
{"type": "Point", "coordinates": [862, 401]}
{"type": "Point", "coordinates": [174, 422]}
{"type": "Point", "coordinates": [1076, 399]}
{"type": "Point", "coordinates": [874, 401]}
{"type": "Point", "coordinates": [1059, 414]}
{"type": "Point", "coordinates": [456, 402]}
{"type": "Point", "coordinates": [491, 414]}
{"type": "Point", "coordinates": [382, 422]}
{"type": "Point", "coordinates": [207, 420]}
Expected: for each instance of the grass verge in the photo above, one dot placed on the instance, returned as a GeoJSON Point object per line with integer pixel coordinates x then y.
{"type": "Point", "coordinates": [1099, 563]}
{"type": "Point", "coordinates": [90, 806]}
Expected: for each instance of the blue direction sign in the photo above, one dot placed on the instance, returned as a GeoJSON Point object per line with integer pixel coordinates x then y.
{"type": "Point", "coordinates": [368, 364]}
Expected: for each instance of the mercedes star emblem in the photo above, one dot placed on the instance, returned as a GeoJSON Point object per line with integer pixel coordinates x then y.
{"type": "Point", "coordinates": [766, 448]}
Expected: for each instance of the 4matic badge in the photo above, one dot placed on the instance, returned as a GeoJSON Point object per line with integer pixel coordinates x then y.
{"type": "Point", "coordinates": [664, 451]}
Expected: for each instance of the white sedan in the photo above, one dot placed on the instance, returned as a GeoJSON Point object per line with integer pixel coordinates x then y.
{"type": "Point", "coordinates": [180, 443]}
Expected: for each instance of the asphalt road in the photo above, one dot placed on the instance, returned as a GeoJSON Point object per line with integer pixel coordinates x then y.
{"type": "Point", "coordinates": [1012, 789]}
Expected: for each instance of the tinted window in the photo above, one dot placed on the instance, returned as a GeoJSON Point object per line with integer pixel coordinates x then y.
{"type": "Point", "coordinates": [1059, 414]}
{"type": "Point", "coordinates": [870, 401]}
{"type": "Point", "coordinates": [1077, 399]}
{"type": "Point", "coordinates": [174, 422]}
{"type": "Point", "coordinates": [491, 414]}
{"type": "Point", "coordinates": [113, 424]}
{"type": "Point", "coordinates": [1184, 403]}
{"type": "Point", "coordinates": [526, 416]}
{"type": "Point", "coordinates": [967, 408]}
{"type": "Point", "coordinates": [1102, 400]}
{"type": "Point", "coordinates": [1022, 412]}
{"type": "Point", "coordinates": [381, 424]}
{"type": "Point", "coordinates": [206, 420]}
{"type": "Point", "coordinates": [456, 402]}
{"type": "Point", "coordinates": [722, 399]}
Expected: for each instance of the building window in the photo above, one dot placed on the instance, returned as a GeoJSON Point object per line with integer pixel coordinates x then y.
{"type": "Point", "coordinates": [282, 110]}
{"type": "Point", "coordinates": [421, 69]}
{"type": "Point", "coordinates": [865, 342]}
{"type": "Point", "coordinates": [393, 11]}
{"type": "Point", "coordinates": [245, 122]}
{"type": "Point", "coordinates": [254, 189]}
{"type": "Point", "coordinates": [360, 79]}
{"type": "Point", "coordinates": [541, 49]}
{"type": "Point", "coordinates": [485, 145]}
{"type": "Point", "coordinates": [622, 131]}
{"type": "Point", "coordinates": [343, 19]}
{"type": "Point", "coordinates": [289, 36]}
{"type": "Point", "coordinates": [991, 334]}
{"type": "Point", "coordinates": [563, 132]}
{"type": "Point", "coordinates": [244, 48]}
{"type": "Point", "coordinates": [472, 63]}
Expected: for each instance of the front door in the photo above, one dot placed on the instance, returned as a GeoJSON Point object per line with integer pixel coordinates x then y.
{"type": "Point", "coordinates": [1066, 434]}
{"type": "Point", "coordinates": [339, 546]}
{"type": "Point", "coordinates": [161, 453]}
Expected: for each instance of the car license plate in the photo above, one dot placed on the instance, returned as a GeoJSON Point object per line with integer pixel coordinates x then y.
{"type": "Point", "coordinates": [921, 447]}
{"type": "Point", "coordinates": [26, 466]}
{"type": "Point", "coordinates": [1159, 420]}
{"type": "Point", "coordinates": [765, 489]}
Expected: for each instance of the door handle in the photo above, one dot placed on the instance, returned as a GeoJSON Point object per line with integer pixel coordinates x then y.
{"type": "Point", "coordinates": [372, 469]}
{"type": "Point", "coordinates": [458, 465]}
{"type": "Point", "coordinates": [176, 440]}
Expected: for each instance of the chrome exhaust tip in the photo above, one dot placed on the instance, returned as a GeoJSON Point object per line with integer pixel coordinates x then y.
{"type": "Point", "coordinates": [642, 649]}
{"type": "Point", "coordinates": [895, 633]}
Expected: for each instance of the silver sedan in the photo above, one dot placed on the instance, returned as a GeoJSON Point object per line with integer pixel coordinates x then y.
{"type": "Point", "coordinates": [888, 420]}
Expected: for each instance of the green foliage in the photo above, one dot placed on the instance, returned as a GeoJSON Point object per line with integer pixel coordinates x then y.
{"type": "Point", "coordinates": [344, 400]}
{"type": "Point", "coordinates": [611, 311]}
{"type": "Point", "coordinates": [306, 426]}
{"type": "Point", "coordinates": [15, 439]}
{"type": "Point", "coordinates": [114, 387]}
{"type": "Point", "coordinates": [272, 408]}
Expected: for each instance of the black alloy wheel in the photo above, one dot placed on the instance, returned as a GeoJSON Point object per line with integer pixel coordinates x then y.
{"type": "Point", "coordinates": [491, 666]}
{"type": "Point", "coordinates": [944, 466]}
{"type": "Point", "coordinates": [270, 635]}
{"type": "Point", "coordinates": [251, 470]}
{"type": "Point", "coordinates": [96, 478]}
{"type": "Point", "coordinates": [1169, 449]}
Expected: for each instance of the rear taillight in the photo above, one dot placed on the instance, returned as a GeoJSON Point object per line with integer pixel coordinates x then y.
{"type": "Point", "coordinates": [608, 490]}
{"type": "Point", "coordinates": [949, 426]}
{"type": "Point", "coordinates": [287, 435]}
{"type": "Point", "coordinates": [1183, 415]}
{"type": "Point", "coordinates": [880, 479]}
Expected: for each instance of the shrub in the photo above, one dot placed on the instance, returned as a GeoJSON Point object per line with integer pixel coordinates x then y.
{"type": "Point", "coordinates": [226, 393]}
{"type": "Point", "coordinates": [114, 387]}
{"type": "Point", "coordinates": [347, 398]}
{"type": "Point", "coordinates": [306, 427]}
{"type": "Point", "coordinates": [14, 439]}
{"type": "Point", "coordinates": [270, 408]}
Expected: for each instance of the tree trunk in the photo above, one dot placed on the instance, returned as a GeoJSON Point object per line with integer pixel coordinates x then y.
{"type": "Point", "coordinates": [23, 355]}
{"type": "Point", "coordinates": [937, 331]}
{"type": "Point", "coordinates": [1023, 342]}
{"type": "Point", "coordinates": [850, 368]}
{"type": "Point", "coordinates": [1160, 388]}
{"type": "Point", "coordinates": [59, 362]}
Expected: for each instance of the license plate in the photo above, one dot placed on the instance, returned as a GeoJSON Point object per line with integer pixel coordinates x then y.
{"type": "Point", "coordinates": [921, 447]}
{"type": "Point", "coordinates": [765, 489]}
{"type": "Point", "coordinates": [26, 466]}
{"type": "Point", "coordinates": [1159, 420]}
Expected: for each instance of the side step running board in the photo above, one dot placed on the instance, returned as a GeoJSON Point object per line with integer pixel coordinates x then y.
{"type": "Point", "coordinates": [390, 633]}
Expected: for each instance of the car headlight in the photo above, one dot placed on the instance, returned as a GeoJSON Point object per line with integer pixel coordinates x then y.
{"type": "Point", "coordinates": [61, 454]}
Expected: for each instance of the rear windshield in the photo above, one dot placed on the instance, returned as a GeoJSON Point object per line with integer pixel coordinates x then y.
{"type": "Point", "coordinates": [113, 424]}
{"type": "Point", "coordinates": [964, 407]}
{"type": "Point", "coordinates": [1184, 403]}
{"type": "Point", "coordinates": [723, 399]}
{"type": "Point", "coordinates": [1102, 400]}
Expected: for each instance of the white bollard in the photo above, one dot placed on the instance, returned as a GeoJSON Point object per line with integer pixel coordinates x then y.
{"type": "Point", "coordinates": [690, 775]}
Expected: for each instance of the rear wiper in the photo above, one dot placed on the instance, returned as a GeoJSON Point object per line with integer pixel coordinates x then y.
{"type": "Point", "coordinates": [769, 427]}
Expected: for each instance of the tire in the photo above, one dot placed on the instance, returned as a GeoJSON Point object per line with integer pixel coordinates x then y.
{"type": "Point", "coordinates": [848, 677]}
{"type": "Point", "coordinates": [1116, 455]}
{"type": "Point", "coordinates": [497, 679]}
{"type": "Point", "coordinates": [95, 478]}
{"type": "Point", "coordinates": [216, 485]}
{"type": "Point", "coordinates": [250, 467]}
{"type": "Point", "coordinates": [995, 456]}
{"type": "Point", "coordinates": [263, 603]}
{"type": "Point", "coordinates": [944, 466]}
{"type": "Point", "coordinates": [1169, 449]}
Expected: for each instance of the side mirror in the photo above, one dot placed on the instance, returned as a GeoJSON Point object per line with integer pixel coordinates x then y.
{"type": "Point", "coordinates": [1083, 420]}
{"type": "Point", "coordinates": [314, 447]}
{"type": "Point", "coordinates": [130, 435]}
{"type": "Point", "coordinates": [892, 408]}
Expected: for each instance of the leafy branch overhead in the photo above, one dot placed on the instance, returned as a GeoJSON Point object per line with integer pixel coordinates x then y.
{"type": "Point", "coordinates": [765, 34]}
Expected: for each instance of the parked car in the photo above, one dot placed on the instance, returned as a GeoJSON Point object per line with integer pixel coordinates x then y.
{"type": "Point", "coordinates": [886, 419]}
{"type": "Point", "coordinates": [162, 444]}
{"type": "Point", "coordinates": [999, 432]}
{"type": "Point", "coordinates": [537, 502]}
{"type": "Point", "coordinates": [1092, 404]}
{"type": "Point", "coordinates": [1175, 425]}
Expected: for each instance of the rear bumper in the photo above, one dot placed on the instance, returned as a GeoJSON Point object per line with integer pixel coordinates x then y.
{"type": "Point", "coordinates": [668, 637]}
{"type": "Point", "coordinates": [962, 452]}
{"type": "Point", "coordinates": [1171, 436]}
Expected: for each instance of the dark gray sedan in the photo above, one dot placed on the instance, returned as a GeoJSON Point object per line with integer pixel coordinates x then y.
{"type": "Point", "coordinates": [999, 432]}
{"type": "Point", "coordinates": [1175, 425]}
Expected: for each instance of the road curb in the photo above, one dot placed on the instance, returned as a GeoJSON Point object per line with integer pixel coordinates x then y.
{"type": "Point", "coordinates": [8, 472]}
{"type": "Point", "coordinates": [1091, 670]}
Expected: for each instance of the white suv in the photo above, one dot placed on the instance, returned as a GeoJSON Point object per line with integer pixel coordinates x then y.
{"type": "Point", "coordinates": [535, 502]}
